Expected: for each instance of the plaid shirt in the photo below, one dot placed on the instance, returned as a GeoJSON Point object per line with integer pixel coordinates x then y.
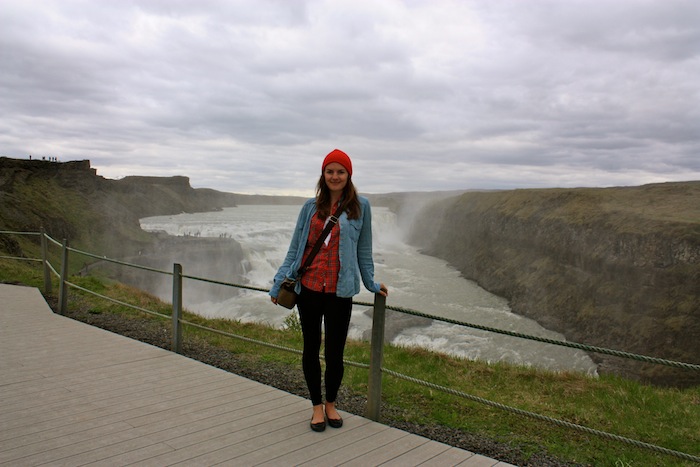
{"type": "Point", "coordinates": [322, 275]}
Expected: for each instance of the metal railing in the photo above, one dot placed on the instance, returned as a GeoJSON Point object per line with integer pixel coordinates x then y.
{"type": "Point", "coordinates": [375, 366]}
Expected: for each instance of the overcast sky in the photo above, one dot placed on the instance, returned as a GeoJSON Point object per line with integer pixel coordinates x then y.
{"type": "Point", "coordinates": [248, 96]}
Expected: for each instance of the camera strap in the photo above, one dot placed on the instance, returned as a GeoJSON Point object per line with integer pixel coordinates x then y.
{"type": "Point", "coordinates": [332, 221]}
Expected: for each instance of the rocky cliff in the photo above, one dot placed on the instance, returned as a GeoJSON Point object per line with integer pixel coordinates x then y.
{"type": "Point", "coordinates": [610, 267]}
{"type": "Point", "coordinates": [71, 201]}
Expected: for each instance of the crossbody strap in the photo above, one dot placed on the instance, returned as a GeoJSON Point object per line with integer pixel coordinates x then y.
{"type": "Point", "coordinates": [333, 220]}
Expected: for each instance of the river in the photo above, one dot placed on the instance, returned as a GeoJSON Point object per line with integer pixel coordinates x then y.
{"type": "Point", "coordinates": [415, 281]}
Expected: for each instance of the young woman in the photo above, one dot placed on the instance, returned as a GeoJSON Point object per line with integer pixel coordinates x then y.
{"type": "Point", "coordinates": [326, 288]}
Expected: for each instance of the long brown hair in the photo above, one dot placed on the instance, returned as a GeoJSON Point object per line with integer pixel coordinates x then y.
{"type": "Point", "coordinates": [351, 203]}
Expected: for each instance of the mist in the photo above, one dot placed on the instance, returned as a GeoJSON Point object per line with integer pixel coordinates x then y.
{"type": "Point", "coordinates": [216, 256]}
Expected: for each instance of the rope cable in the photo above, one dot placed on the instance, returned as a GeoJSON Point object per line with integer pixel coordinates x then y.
{"type": "Point", "coordinates": [525, 413]}
{"type": "Point", "coordinates": [428, 384]}
{"type": "Point", "coordinates": [150, 312]}
{"type": "Point", "coordinates": [575, 345]}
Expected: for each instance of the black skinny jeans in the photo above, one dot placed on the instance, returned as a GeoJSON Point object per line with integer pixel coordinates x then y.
{"type": "Point", "coordinates": [334, 311]}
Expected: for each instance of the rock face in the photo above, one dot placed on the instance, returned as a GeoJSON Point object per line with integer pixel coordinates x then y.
{"type": "Point", "coordinates": [611, 267]}
{"type": "Point", "coordinates": [71, 201]}
{"type": "Point", "coordinates": [218, 259]}
{"type": "Point", "coordinates": [73, 185]}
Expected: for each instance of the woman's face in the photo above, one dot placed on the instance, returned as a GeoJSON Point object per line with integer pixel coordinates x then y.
{"type": "Point", "coordinates": [336, 177]}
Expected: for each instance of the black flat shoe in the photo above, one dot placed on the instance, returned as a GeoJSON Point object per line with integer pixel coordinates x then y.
{"type": "Point", "coordinates": [320, 426]}
{"type": "Point", "coordinates": [335, 422]}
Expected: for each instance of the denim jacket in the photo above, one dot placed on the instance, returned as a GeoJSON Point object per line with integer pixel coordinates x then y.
{"type": "Point", "coordinates": [355, 251]}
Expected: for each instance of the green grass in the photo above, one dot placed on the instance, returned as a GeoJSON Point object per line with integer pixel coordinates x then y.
{"type": "Point", "coordinates": [663, 416]}
{"type": "Point", "coordinates": [639, 210]}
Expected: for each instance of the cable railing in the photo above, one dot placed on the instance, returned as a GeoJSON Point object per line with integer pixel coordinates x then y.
{"type": "Point", "coordinates": [375, 366]}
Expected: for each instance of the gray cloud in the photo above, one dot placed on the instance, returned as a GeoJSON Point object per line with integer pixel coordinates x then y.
{"type": "Point", "coordinates": [249, 96]}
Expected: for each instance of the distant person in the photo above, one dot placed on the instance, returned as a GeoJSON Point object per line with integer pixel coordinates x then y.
{"type": "Point", "coordinates": [327, 286]}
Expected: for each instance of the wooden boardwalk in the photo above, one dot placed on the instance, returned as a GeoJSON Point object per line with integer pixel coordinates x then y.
{"type": "Point", "coordinates": [72, 394]}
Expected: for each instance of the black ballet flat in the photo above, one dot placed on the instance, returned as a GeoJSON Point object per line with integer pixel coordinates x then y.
{"type": "Point", "coordinates": [320, 426]}
{"type": "Point", "coordinates": [335, 422]}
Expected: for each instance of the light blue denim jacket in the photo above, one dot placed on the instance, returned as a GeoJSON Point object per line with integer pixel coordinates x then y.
{"type": "Point", "coordinates": [355, 251]}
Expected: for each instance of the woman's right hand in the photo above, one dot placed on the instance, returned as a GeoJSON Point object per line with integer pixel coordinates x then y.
{"type": "Point", "coordinates": [273, 300]}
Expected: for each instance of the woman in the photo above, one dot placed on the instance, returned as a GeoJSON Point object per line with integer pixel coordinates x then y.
{"type": "Point", "coordinates": [326, 288]}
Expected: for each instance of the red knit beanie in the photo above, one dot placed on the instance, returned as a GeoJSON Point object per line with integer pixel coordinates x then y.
{"type": "Point", "coordinates": [340, 157]}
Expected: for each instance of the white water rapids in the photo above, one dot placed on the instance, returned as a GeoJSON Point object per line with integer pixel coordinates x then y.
{"type": "Point", "coordinates": [415, 281]}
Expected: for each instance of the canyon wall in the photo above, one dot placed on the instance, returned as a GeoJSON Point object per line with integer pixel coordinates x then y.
{"type": "Point", "coordinates": [610, 267]}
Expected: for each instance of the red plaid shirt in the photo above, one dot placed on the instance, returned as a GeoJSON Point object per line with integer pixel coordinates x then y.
{"type": "Point", "coordinates": [322, 275]}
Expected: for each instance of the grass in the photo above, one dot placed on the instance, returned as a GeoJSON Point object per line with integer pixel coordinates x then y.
{"type": "Point", "coordinates": [638, 210]}
{"type": "Point", "coordinates": [663, 416]}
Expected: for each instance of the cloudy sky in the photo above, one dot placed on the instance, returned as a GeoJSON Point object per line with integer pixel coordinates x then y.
{"type": "Point", "coordinates": [248, 96]}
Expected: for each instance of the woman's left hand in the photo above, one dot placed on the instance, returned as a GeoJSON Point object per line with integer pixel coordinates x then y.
{"type": "Point", "coordinates": [383, 290]}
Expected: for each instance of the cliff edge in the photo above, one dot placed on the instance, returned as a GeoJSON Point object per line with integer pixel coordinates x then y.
{"type": "Point", "coordinates": [69, 200]}
{"type": "Point", "coordinates": [609, 267]}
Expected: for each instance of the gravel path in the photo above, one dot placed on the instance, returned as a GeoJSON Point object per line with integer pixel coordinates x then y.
{"type": "Point", "coordinates": [290, 379]}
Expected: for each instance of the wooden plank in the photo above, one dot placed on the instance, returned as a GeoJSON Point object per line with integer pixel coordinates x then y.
{"type": "Point", "coordinates": [73, 394]}
{"type": "Point", "coordinates": [355, 442]}
{"type": "Point", "coordinates": [452, 456]}
{"type": "Point", "coordinates": [419, 455]}
{"type": "Point", "coordinates": [477, 460]}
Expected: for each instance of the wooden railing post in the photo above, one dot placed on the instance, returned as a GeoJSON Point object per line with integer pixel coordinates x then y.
{"type": "Point", "coordinates": [177, 308]}
{"type": "Point", "coordinates": [45, 261]}
{"type": "Point", "coordinates": [62, 288]}
{"type": "Point", "coordinates": [374, 390]}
